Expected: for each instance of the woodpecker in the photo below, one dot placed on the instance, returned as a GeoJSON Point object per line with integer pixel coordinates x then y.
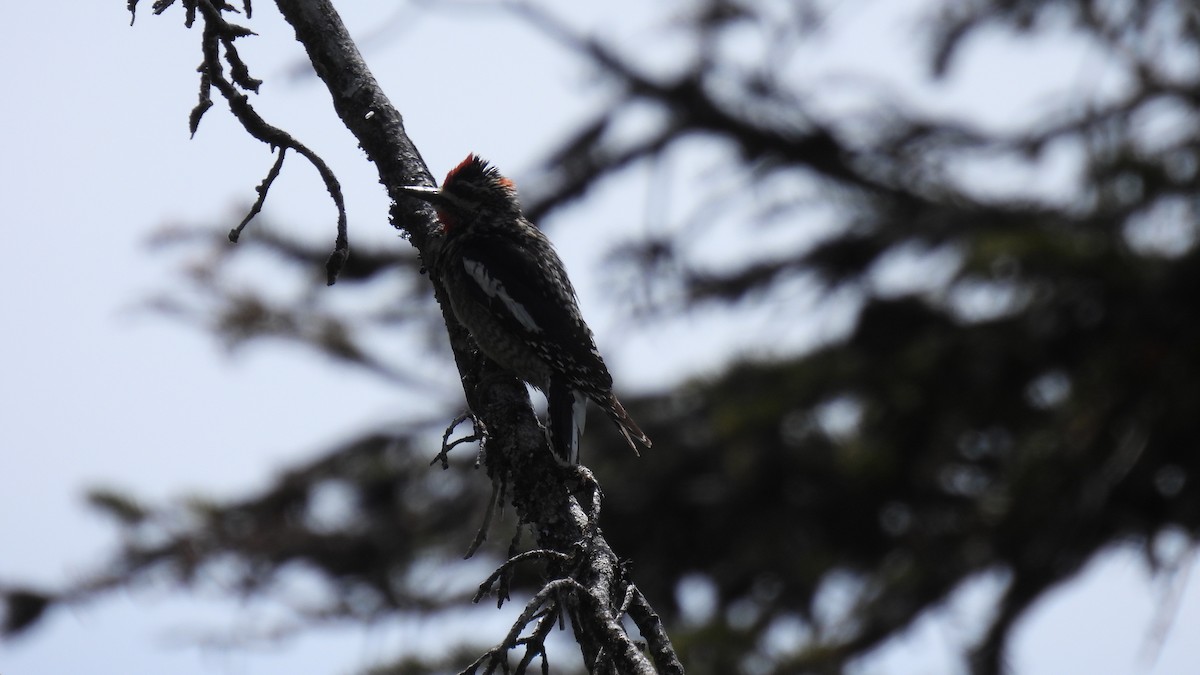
{"type": "Point", "coordinates": [509, 288]}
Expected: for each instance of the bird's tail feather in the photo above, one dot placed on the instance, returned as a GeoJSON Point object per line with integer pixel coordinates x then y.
{"type": "Point", "coordinates": [629, 429]}
{"type": "Point", "coordinates": [568, 414]}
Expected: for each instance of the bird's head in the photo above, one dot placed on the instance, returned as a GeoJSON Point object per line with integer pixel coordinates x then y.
{"type": "Point", "coordinates": [474, 192]}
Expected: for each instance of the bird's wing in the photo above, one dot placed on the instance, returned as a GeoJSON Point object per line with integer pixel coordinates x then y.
{"type": "Point", "coordinates": [531, 296]}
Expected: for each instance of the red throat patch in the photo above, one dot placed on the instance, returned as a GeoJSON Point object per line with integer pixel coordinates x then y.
{"type": "Point", "coordinates": [446, 218]}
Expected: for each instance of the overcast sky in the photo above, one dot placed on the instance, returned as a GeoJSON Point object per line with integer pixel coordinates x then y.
{"type": "Point", "coordinates": [95, 156]}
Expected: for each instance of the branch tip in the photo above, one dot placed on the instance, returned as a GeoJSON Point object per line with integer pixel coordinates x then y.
{"type": "Point", "coordinates": [337, 260]}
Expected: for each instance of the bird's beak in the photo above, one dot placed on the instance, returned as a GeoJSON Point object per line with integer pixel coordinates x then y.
{"type": "Point", "coordinates": [423, 192]}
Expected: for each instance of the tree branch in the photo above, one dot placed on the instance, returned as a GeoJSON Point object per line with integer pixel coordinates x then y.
{"type": "Point", "coordinates": [516, 452]}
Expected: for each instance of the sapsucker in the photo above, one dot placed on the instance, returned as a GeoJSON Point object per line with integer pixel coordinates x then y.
{"type": "Point", "coordinates": [509, 288]}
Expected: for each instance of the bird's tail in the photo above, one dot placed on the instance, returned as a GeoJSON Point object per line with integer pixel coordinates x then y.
{"type": "Point", "coordinates": [568, 414]}
{"type": "Point", "coordinates": [629, 429]}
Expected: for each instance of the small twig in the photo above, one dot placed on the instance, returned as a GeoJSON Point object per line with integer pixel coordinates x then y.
{"type": "Point", "coordinates": [481, 534]}
{"type": "Point", "coordinates": [262, 190]}
{"type": "Point", "coordinates": [535, 645]}
{"type": "Point", "coordinates": [203, 103]}
{"type": "Point", "coordinates": [630, 591]}
{"type": "Point", "coordinates": [238, 70]}
{"type": "Point", "coordinates": [508, 564]}
{"type": "Point", "coordinates": [479, 434]}
{"type": "Point", "coordinates": [505, 582]}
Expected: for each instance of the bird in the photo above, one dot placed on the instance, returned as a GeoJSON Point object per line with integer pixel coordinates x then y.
{"type": "Point", "coordinates": [508, 287]}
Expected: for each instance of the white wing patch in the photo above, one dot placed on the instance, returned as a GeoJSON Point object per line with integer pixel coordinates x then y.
{"type": "Point", "coordinates": [578, 421]}
{"type": "Point", "coordinates": [495, 289]}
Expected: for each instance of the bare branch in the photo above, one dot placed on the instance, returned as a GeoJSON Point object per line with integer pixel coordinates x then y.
{"type": "Point", "coordinates": [219, 32]}
{"type": "Point", "coordinates": [262, 190]}
{"type": "Point", "coordinates": [651, 627]}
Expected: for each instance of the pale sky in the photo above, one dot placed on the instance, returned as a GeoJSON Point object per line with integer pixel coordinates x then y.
{"type": "Point", "coordinates": [95, 156]}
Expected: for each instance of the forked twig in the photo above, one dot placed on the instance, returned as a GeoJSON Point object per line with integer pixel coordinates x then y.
{"type": "Point", "coordinates": [496, 657]}
{"type": "Point", "coordinates": [479, 433]}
